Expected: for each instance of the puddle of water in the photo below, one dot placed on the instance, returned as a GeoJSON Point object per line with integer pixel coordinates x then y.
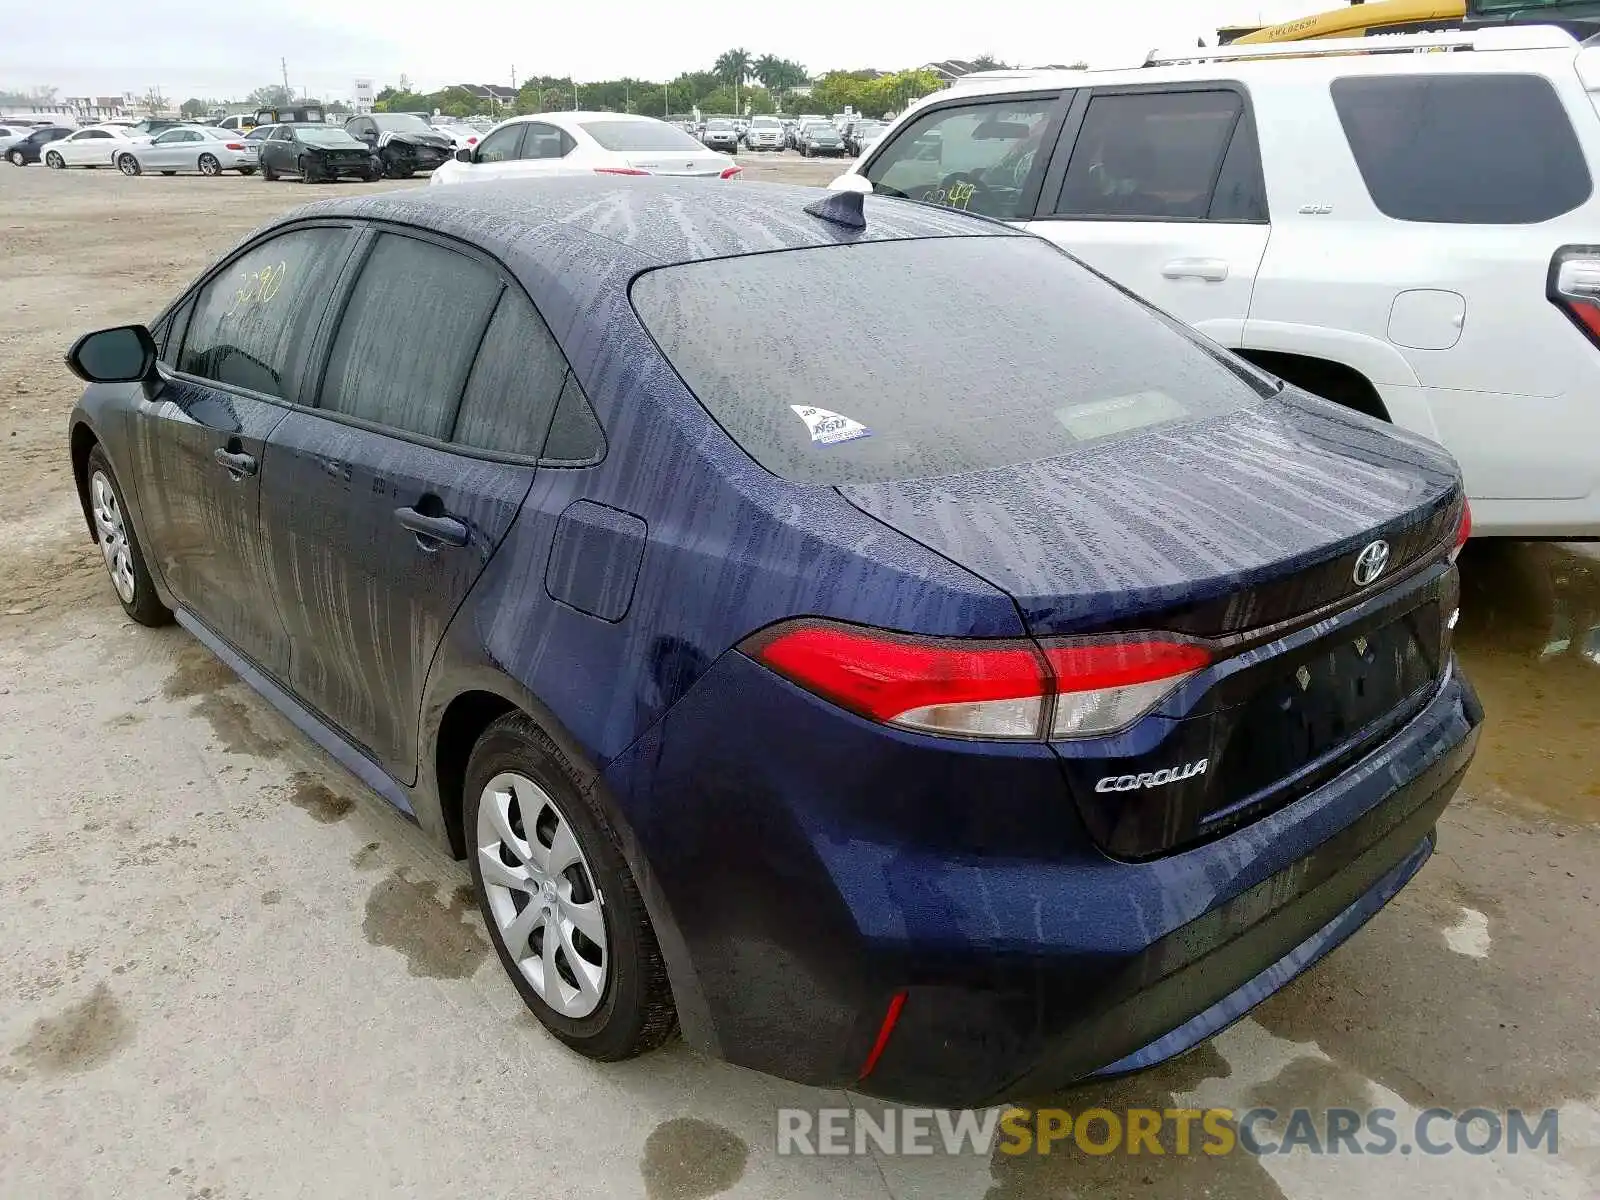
{"type": "Point", "coordinates": [690, 1159]}
{"type": "Point", "coordinates": [1530, 642]}
{"type": "Point", "coordinates": [79, 1038]}
{"type": "Point", "coordinates": [410, 916]}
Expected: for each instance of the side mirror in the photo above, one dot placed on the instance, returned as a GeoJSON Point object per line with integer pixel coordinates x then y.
{"type": "Point", "coordinates": [463, 155]}
{"type": "Point", "coordinates": [851, 182]}
{"type": "Point", "coordinates": [126, 354]}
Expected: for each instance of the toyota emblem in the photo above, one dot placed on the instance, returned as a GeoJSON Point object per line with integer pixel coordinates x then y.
{"type": "Point", "coordinates": [1371, 563]}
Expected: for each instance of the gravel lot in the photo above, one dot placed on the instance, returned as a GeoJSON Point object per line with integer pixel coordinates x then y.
{"type": "Point", "coordinates": [232, 972]}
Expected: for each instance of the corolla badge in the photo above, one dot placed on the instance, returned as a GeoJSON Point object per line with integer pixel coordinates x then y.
{"type": "Point", "coordinates": [1152, 779]}
{"type": "Point", "coordinates": [1371, 562]}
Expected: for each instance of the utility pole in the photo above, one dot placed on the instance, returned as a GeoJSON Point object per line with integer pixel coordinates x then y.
{"type": "Point", "coordinates": [666, 103]}
{"type": "Point", "coordinates": [627, 94]}
{"type": "Point", "coordinates": [574, 93]}
{"type": "Point", "coordinates": [284, 64]}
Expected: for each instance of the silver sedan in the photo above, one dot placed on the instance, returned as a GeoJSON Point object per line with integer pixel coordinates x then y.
{"type": "Point", "coordinates": [202, 148]}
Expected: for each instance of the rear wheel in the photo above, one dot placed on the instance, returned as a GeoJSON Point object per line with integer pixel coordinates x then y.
{"type": "Point", "coordinates": [17, 158]}
{"type": "Point", "coordinates": [128, 164]}
{"type": "Point", "coordinates": [247, 170]}
{"type": "Point", "coordinates": [130, 577]}
{"type": "Point", "coordinates": [268, 173]}
{"type": "Point", "coordinates": [54, 161]}
{"type": "Point", "coordinates": [561, 906]}
{"type": "Point", "coordinates": [209, 165]}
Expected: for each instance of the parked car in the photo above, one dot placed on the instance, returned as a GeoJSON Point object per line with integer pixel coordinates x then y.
{"type": "Point", "coordinates": [403, 143]}
{"type": "Point", "coordinates": [765, 133]}
{"type": "Point", "coordinates": [819, 138]}
{"type": "Point", "coordinates": [201, 148]}
{"type": "Point", "coordinates": [862, 134]}
{"type": "Point", "coordinates": [941, 753]}
{"type": "Point", "coordinates": [1433, 269]}
{"type": "Point", "coordinates": [720, 134]}
{"type": "Point", "coordinates": [238, 123]}
{"type": "Point", "coordinates": [91, 146]}
{"type": "Point", "coordinates": [567, 143]}
{"type": "Point", "coordinates": [28, 148]}
{"type": "Point", "coordinates": [316, 153]}
{"type": "Point", "coordinates": [11, 131]}
{"type": "Point", "coordinates": [462, 136]}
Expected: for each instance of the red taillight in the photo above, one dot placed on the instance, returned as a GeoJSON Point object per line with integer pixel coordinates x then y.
{"type": "Point", "coordinates": [234, 146]}
{"type": "Point", "coordinates": [1463, 529]}
{"type": "Point", "coordinates": [471, 141]}
{"type": "Point", "coordinates": [732, 172]}
{"type": "Point", "coordinates": [1574, 287]}
{"type": "Point", "coordinates": [619, 171]}
{"type": "Point", "coordinates": [896, 1003]}
{"type": "Point", "coordinates": [968, 687]}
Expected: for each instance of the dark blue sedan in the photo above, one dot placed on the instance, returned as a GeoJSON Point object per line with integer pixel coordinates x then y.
{"type": "Point", "coordinates": [989, 685]}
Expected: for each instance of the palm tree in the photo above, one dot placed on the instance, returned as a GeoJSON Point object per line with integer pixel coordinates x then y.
{"type": "Point", "coordinates": [734, 66]}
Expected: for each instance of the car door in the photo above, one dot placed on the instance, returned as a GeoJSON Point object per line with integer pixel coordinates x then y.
{"type": "Point", "coordinates": [272, 147]}
{"type": "Point", "coordinates": [84, 147]}
{"type": "Point", "coordinates": [498, 153]}
{"type": "Point", "coordinates": [1161, 189]}
{"type": "Point", "coordinates": [171, 151]}
{"type": "Point", "coordinates": [545, 151]}
{"type": "Point", "coordinates": [200, 442]}
{"type": "Point", "coordinates": [384, 504]}
{"type": "Point", "coordinates": [982, 155]}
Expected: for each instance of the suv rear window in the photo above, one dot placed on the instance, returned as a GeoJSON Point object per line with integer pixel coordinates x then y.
{"type": "Point", "coordinates": [1463, 149]}
{"type": "Point", "coordinates": [953, 354]}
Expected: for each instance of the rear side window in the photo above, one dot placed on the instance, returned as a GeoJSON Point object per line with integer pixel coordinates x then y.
{"type": "Point", "coordinates": [252, 322]}
{"type": "Point", "coordinates": [639, 136]}
{"type": "Point", "coordinates": [515, 382]}
{"type": "Point", "coordinates": [1463, 149]}
{"type": "Point", "coordinates": [1151, 154]}
{"type": "Point", "coordinates": [953, 354]}
{"type": "Point", "coordinates": [576, 439]}
{"type": "Point", "coordinates": [408, 336]}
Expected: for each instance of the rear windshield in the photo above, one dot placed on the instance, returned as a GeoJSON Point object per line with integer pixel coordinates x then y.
{"type": "Point", "coordinates": [638, 135]}
{"type": "Point", "coordinates": [901, 359]}
{"type": "Point", "coordinates": [324, 135]}
{"type": "Point", "coordinates": [1463, 149]}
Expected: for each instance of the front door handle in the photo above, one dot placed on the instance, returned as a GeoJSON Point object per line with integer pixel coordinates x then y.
{"type": "Point", "coordinates": [446, 531]}
{"type": "Point", "coordinates": [1214, 270]}
{"type": "Point", "coordinates": [238, 465]}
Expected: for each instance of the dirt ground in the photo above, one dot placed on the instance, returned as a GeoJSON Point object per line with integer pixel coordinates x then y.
{"type": "Point", "coordinates": [232, 972]}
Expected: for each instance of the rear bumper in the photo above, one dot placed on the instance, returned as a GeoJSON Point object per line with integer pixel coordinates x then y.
{"type": "Point", "coordinates": [813, 866]}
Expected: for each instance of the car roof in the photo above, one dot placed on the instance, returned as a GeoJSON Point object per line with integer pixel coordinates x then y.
{"type": "Point", "coordinates": [569, 120]}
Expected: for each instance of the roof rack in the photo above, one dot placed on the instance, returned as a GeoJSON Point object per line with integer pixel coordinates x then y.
{"type": "Point", "coordinates": [1511, 37]}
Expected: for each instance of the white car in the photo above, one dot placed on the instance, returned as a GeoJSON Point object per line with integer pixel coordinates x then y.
{"type": "Point", "coordinates": [92, 146]}
{"type": "Point", "coordinates": [1405, 225]}
{"type": "Point", "coordinates": [202, 148]}
{"type": "Point", "coordinates": [462, 136]}
{"type": "Point", "coordinates": [765, 133]}
{"type": "Point", "coordinates": [569, 143]}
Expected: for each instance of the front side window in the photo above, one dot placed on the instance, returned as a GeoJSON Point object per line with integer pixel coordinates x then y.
{"type": "Point", "coordinates": [259, 135]}
{"type": "Point", "coordinates": [502, 145]}
{"type": "Point", "coordinates": [408, 336]}
{"type": "Point", "coordinates": [253, 321]}
{"type": "Point", "coordinates": [1149, 154]}
{"type": "Point", "coordinates": [515, 382]}
{"type": "Point", "coordinates": [1463, 149]}
{"type": "Point", "coordinates": [973, 157]}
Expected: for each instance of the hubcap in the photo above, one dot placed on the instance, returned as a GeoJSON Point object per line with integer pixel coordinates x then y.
{"type": "Point", "coordinates": [113, 536]}
{"type": "Point", "coordinates": [542, 895]}
{"type": "Point", "coordinates": [208, 165]}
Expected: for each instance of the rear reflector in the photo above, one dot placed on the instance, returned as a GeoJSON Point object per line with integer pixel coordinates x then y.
{"type": "Point", "coordinates": [619, 171]}
{"type": "Point", "coordinates": [1463, 529]}
{"type": "Point", "coordinates": [980, 688]}
{"type": "Point", "coordinates": [889, 1018]}
{"type": "Point", "coordinates": [732, 172]}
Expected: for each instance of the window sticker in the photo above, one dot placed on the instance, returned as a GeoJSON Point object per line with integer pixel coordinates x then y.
{"type": "Point", "coordinates": [829, 428]}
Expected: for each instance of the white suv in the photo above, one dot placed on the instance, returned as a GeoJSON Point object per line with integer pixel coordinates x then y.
{"type": "Point", "coordinates": [1406, 224]}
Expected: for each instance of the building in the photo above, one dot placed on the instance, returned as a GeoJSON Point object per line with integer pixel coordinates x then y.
{"type": "Point", "coordinates": [496, 93]}
{"type": "Point", "coordinates": [950, 69]}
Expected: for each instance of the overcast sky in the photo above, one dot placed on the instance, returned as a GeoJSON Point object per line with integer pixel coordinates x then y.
{"type": "Point", "coordinates": [223, 51]}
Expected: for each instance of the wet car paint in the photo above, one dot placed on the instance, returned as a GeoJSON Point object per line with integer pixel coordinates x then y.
{"type": "Point", "coordinates": [727, 528]}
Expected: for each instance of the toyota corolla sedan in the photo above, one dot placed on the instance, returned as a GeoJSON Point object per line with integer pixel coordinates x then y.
{"type": "Point", "coordinates": [1019, 692]}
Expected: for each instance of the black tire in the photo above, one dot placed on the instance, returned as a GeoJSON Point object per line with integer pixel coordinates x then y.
{"type": "Point", "coordinates": [635, 1013]}
{"type": "Point", "coordinates": [209, 164]}
{"type": "Point", "coordinates": [54, 161]}
{"type": "Point", "coordinates": [247, 170]}
{"type": "Point", "coordinates": [17, 158]}
{"type": "Point", "coordinates": [128, 164]}
{"type": "Point", "coordinates": [268, 173]}
{"type": "Point", "coordinates": [371, 176]}
{"type": "Point", "coordinates": [307, 175]}
{"type": "Point", "coordinates": [145, 607]}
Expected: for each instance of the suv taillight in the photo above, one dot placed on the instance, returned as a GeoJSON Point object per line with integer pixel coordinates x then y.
{"type": "Point", "coordinates": [981, 688]}
{"type": "Point", "coordinates": [1574, 287]}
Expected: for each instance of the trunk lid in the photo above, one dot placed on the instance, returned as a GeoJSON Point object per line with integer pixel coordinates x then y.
{"type": "Point", "coordinates": [687, 162]}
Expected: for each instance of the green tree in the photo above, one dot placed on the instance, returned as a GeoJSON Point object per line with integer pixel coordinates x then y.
{"type": "Point", "coordinates": [988, 62]}
{"type": "Point", "coordinates": [734, 66]}
{"type": "Point", "coordinates": [337, 107]}
{"type": "Point", "coordinates": [272, 95]}
{"type": "Point", "coordinates": [153, 102]}
{"type": "Point", "coordinates": [392, 99]}
{"type": "Point", "coordinates": [778, 75]}
{"type": "Point", "coordinates": [194, 108]}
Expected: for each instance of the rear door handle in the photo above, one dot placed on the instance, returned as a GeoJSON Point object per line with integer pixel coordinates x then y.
{"type": "Point", "coordinates": [446, 531]}
{"type": "Point", "coordinates": [238, 465]}
{"type": "Point", "coordinates": [1214, 270]}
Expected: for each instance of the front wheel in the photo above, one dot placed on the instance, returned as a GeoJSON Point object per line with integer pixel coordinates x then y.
{"type": "Point", "coordinates": [303, 166]}
{"type": "Point", "coordinates": [130, 577]}
{"type": "Point", "coordinates": [209, 165]}
{"type": "Point", "coordinates": [54, 161]}
{"type": "Point", "coordinates": [17, 158]}
{"type": "Point", "coordinates": [561, 906]}
{"type": "Point", "coordinates": [128, 164]}
{"type": "Point", "coordinates": [268, 173]}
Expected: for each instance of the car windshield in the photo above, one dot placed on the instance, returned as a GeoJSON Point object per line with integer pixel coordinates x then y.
{"type": "Point", "coordinates": [638, 135]}
{"type": "Point", "coordinates": [764, 123]}
{"type": "Point", "coordinates": [957, 356]}
{"type": "Point", "coordinates": [719, 124]}
{"type": "Point", "coordinates": [318, 135]}
{"type": "Point", "coordinates": [394, 122]}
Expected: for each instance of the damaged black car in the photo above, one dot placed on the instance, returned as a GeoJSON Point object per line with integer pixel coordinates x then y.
{"type": "Point", "coordinates": [403, 142]}
{"type": "Point", "coordinates": [316, 153]}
